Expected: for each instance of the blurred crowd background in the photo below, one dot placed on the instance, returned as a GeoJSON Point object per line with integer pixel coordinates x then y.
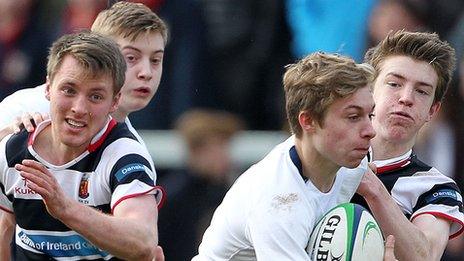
{"type": "Point", "coordinates": [227, 57]}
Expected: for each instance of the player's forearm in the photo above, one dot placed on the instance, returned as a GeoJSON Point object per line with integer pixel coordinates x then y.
{"type": "Point", "coordinates": [411, 243]}
{"type": "Point", "coordinates": [123, 237]}
{"type": "Point", "coordinates": [7, 226]}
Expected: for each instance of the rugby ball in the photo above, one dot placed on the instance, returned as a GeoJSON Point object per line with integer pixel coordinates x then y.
{"type": "Point", "coordinates": [348, 232]}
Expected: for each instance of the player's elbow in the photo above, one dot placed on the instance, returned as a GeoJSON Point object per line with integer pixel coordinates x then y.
{"type": "Point", "coordinates": [424, 253]}
{"type": "Point", "coordinates": [143, 252]}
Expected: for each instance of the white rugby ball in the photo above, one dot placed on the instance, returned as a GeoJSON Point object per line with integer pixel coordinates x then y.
{"type": "Point", "coordinates": [348, 232]}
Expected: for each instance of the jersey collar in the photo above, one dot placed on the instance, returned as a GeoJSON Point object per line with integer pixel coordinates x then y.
{"type": "Point", "coordinates": [96, 141]}
{"type": "Point", "coordinates": [393, 163]}
{"type": "Point", "coordinates": [297, 162]}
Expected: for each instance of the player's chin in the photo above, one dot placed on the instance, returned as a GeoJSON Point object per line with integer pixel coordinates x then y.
{"type": "Point", "coordinates": [134, 105]}
{"type": "Point", "coordinates": [140, 102]}
{"type": "Point", "coordinates": [353, 162]}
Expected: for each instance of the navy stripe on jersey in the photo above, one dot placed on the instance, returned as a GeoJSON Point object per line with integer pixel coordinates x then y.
{"type": "Point", "coordinates": [297, 162]}
{"type": "Point", "coordinates": [33, 215]}
{"type": "Point", "coordinates": [129, 168]}
{"type": "Point", "coordinates": [24, 255]}
{"type": "Point", "coordinates": [389, 178]}
{"type": "Point", "coordinates": [16, 148]}
{"type": "Point", "coordinates": [445, 194]}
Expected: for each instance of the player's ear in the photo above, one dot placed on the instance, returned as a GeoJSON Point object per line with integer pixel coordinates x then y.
{"type": "Point", "coordinates": [434, 109]}
{"type": "Point", "coordinates": [47, 89]}
{"type": "Point", "coordinates": [307, 122]}
{"type": "Point", "coordinates": [114, 105]}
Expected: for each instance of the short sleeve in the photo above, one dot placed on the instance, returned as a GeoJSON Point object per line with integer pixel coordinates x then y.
{"type": "Point", "coordinates": [132, 176]}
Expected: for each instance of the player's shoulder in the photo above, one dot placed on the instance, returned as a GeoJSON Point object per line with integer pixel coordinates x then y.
{"type": "Point", "coordinates": [116, 142]}
{"type": "Point", "coordinates": [276, 161]}
{"type": "Point", "coordinates": [15, 147]}
{"type": "Point", "coordinates": [420, 169]}
{"type": "Point", "coordinates": [272, 176]}
{"type": "Point", "coordinates": [121, 135]}
{"type": "Point", "coordinates": [26, 95]}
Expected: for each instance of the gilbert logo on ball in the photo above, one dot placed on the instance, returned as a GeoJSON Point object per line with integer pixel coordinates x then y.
{"type": "Point", "coordinates": [348, 232]}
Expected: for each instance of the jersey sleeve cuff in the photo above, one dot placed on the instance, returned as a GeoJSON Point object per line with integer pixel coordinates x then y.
{"type": "Point", "coordinates": [158, 192]}
{"type": "Point", "coordinates": [6, 209]}
{"type": "Point", "coordinates": [457, 224]}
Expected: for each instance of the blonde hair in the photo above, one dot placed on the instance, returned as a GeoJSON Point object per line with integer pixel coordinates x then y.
{"type": "Point", "coordinates": [426, 47]}
{"type": "Point", "coordinates": [316, 81]}
{"type": "Point", "coordinates": [198, 125]}
{"type": "Point", "coordinates": [97, 54]}
{"type": "Point", "coordinates": [129, 21]}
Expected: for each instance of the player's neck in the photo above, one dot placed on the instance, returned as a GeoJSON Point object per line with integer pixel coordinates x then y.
{"type": "Point", "coordinates": [384, 149]}
{"type": "Point", "coordinates": [119, 115]}
{"type": "Point", "coordinates": [318, 169]}
{"type": "Point", "coordinates": [53, 151]}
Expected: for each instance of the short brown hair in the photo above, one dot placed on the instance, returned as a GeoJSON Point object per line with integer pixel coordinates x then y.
{"type": "Point", "coordinates": [129, 21]}
{"type": "Point", "coordinates": [421, 46]}
{"type": "Point", "coordinates": [197, 125]}
{"type": "Point", "coordinates": [97, 54]}
{"type": "Point", "coordinates": [315, 82]}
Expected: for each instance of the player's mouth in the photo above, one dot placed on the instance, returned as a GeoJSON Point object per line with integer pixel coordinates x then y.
{"type": "Point", "coordinates": [75, 124]}
{"type": "Point", "coordinates": [402, 115]}
{"type": "Point", "coordinates": [142, 91]}
{"type": "Point", "coordinates": [362, 150]}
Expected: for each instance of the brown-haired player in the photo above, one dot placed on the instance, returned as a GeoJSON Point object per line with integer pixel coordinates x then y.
{"type": "Point", "coordinates": [80, 186]}
{"type": "Point", "coordinates": [414, 202]}
{"type": "Point", "coordinates": [272, 208]}
{"type": "Point", "coordinates": [141, 36]}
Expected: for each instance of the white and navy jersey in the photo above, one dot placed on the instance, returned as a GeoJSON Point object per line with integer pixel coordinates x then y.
{"type": "Point", "coordinates": [420, 189]}
{"type": "Point", "coordinates": [112, 169]}
{"type": "Point", "coordinates": [271, 210]}
{"type": "Point", "coordinates": [32, 100]}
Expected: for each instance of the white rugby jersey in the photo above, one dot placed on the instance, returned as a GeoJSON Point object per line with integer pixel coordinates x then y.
{"type": "Point", "coordinates": [22, 101]}
{"type": "Point", "coordinates": [271, 210]}
{"type": "Point", "coordinates": [420, 189]}
{"type": "Point", "coordinates": [31, 100]}
{"type": "Point", "coordinates": [113, 168]}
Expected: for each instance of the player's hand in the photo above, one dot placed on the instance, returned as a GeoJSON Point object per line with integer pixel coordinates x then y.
{"type": "Point", "coordinates": [390, 249]}
{"type": "Point", "coordinates": [370, 183]}
{"type": "Point", "coordinates": [40, 180]}
{"type": "Point", "coordinates": [28, 121]}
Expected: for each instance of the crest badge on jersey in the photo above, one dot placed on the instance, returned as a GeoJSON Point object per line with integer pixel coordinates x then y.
{"type": "Point", "coordinates": [84, 187]}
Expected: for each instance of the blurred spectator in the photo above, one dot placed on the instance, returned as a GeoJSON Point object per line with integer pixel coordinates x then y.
{"type": "Point", "coordinates": [195, 191]}
{"type": "Point", "coordinates": [394, 15]}
{"type": "Point", "coordinates": [414, 15]}
{"type": "Point", "coordinates": [80, 14]}
{"type": "Point", "coordinates": [24, 43]}
{"type": "Point", "coordinates": [152, 4]}
{"type": "Point", "coordinates": [248, 47]}
{"type": "Point", "coordinates": [329, 25]}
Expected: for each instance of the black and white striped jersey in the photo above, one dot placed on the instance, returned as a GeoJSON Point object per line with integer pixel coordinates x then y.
{"type": "Point", "coordinates": [420, 189]}
{"type": "Point", "coordinates": [114, 167]}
